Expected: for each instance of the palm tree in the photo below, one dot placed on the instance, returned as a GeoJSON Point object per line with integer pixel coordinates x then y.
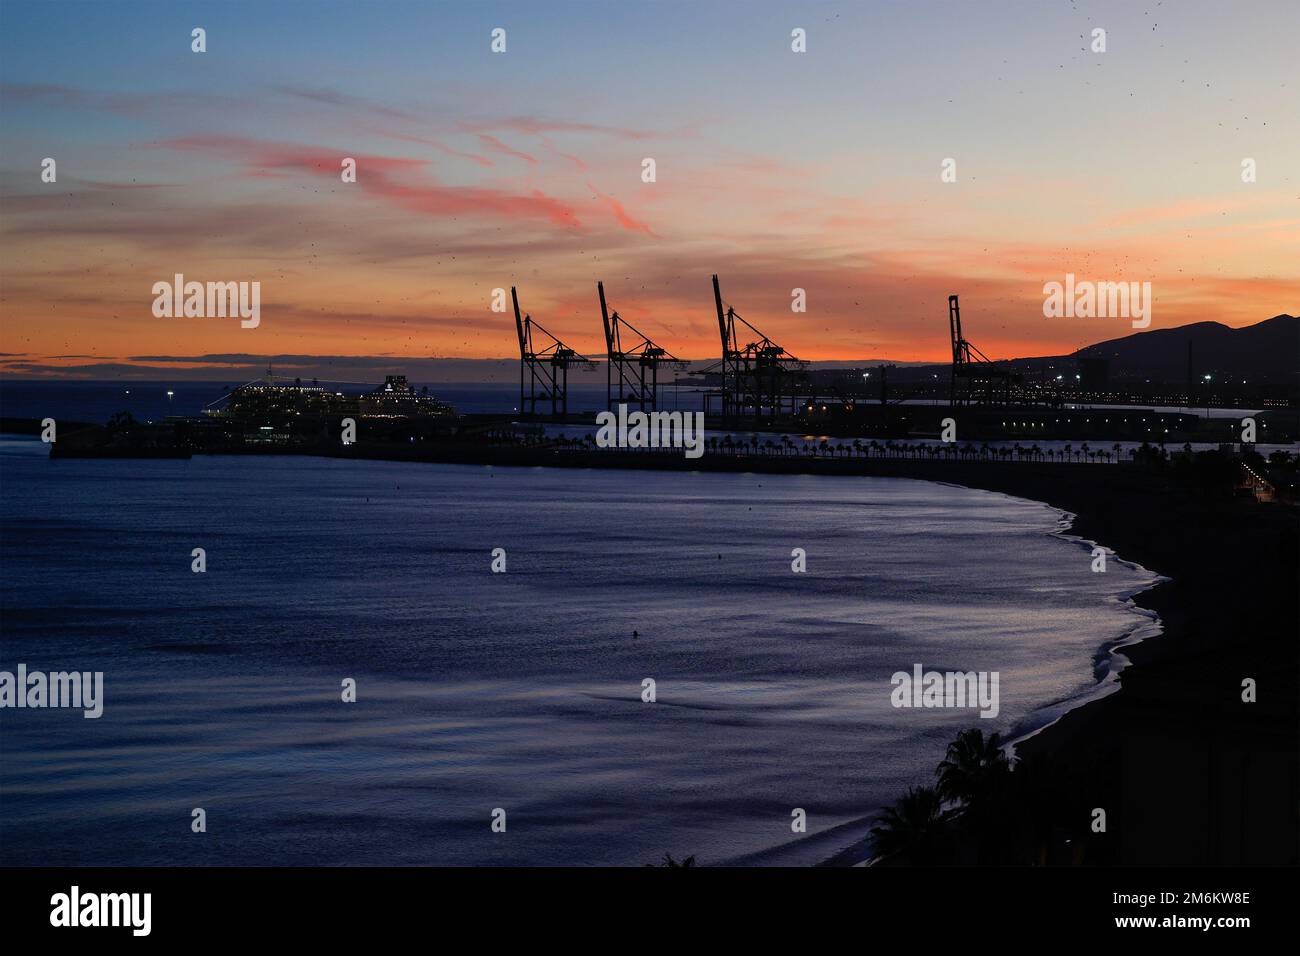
{"type": "Point", "coordinates": [671, 864]}
{"type": "Point", "coordinates": [914, 827]}
{"type": "Point", "coordinates": [972, 768]}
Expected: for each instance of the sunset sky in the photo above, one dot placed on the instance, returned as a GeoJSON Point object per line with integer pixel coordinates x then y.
{"type": "Point", "coordinates": [775, 169]}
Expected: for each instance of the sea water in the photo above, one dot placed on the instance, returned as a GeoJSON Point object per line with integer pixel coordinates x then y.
{"type": "Point", "coordinates": [519, 691]}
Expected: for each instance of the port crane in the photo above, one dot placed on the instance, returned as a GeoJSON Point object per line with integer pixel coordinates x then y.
{"type": "Point", "coordinates": [546, 369]}
{"type": "Point", "coordinates": [632, 372]}
{"type": "Point", "coordinates": [757, 375]}
{"type": "Point", "coordinates": [976, 379]}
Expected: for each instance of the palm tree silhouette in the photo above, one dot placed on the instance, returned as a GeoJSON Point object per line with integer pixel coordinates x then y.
{"type": "Point", "coordinates": [914, 827]}
{"type": "Point", "coordinates": [972, 768]}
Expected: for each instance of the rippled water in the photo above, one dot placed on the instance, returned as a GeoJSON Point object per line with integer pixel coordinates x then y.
{"type": "Point", "coordinates": [519, 690]}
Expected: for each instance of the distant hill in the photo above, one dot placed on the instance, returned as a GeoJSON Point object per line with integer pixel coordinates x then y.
{"type": "Point", "coordinates": [1266, 351]}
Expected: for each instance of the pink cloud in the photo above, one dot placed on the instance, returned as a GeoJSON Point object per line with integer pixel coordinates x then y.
{"type": "Point", "coordinates": [494, 144]}
{"type": "Point", "coordinates": [436, 144]}
{"type": "Point", "coordinates": [582, 167]}
{"type": "Point", "coordinates": [379, 176]}
{"type": "Point", "coordinates": [537, 126]}
{"type": "Point", "coordinates": [620, 214]}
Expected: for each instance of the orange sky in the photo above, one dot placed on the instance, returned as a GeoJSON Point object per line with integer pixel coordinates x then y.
{"type": "Point", "coordinates": [821, 171]}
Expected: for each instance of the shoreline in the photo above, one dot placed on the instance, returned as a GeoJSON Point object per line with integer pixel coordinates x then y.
{"type": "Point", "coordinates": [1226, 605]}
{"type": "Point", "coordinates": [859, 852]}
{"type": "Point", "coordinates": [1187, 771]}
{"type": "Point", "coordinates": [1107, 662]}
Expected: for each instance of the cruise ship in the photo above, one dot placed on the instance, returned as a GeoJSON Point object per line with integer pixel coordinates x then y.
{"type": "Point", "coordinates": [271, 412]}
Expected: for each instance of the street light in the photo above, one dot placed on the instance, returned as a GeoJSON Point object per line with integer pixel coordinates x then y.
{"type": "Point", "coordinates": [170, 393]}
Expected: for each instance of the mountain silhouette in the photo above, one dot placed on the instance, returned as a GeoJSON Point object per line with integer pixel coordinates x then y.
{"type": "Point", "coordinates": [1265, 351]}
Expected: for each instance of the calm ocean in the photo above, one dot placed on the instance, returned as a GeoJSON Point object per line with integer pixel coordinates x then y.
{"type": "Point", "coordinates": [521, 690]}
